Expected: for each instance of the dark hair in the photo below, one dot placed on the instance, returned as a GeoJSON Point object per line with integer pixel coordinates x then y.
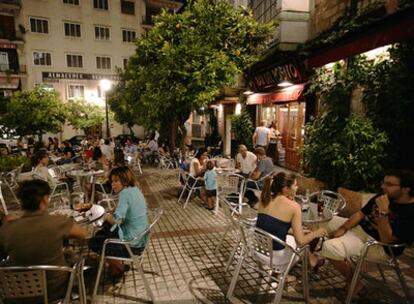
{"type": "Point", "coordinates": [274, 186]}
{"type": "Point", "coordinates": [38, 156]}
{"type": "Point", "coordinates": [125, 175]}
{"type": "Point", "coordinates": [31, 193]}
{"type": "Point", "coordinates": [119, 158]}
{"type": "Point", "coordinates": [97, 153]}
{"type": "Point", "coordinates": [210, 165]}
{"type": "Point", "coordinates": [406, 178]}
{"type": "Point", "coordinates": [200, 152]}
{"type": "Point", "coordinates": [106, 141]}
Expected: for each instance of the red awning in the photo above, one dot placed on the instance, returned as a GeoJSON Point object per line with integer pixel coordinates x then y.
{"type": "Point", "coordinates": [291, 93]}
{"type": "Point", "coordinates": [9, 83]}
{"type": "Point", "coordinates": [399, 31]}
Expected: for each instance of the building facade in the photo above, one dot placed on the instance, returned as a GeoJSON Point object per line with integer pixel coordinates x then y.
{"type": "Point", "coordinates": [71, 45]}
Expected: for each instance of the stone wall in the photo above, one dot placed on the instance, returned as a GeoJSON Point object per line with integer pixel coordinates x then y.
{"type": "Point", "coordinates": [324, 13]}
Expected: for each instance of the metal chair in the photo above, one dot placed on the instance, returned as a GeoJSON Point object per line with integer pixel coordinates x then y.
{"type": "Point", "coordinates": [257, 253]}
{"type": "Point", "coordinates": [190, 185]}
{"type": "Point", "coordinates": [22, 282]}
{"type": "Point", "coordinates": [257, 183]}
{"type": "Point", "coordinates": [134, 162]}
{"type": "Point", "coordinates": [231, 187]}
{"type": "Point", "coordinates": [4, 184]}
{"type": "Point", "coordinates": [165, 163]}
{"type": "Point", "coordinates": [133, 259]}
{"type": "Point", "coordinates": [59, 194]}
{"type": "Point", "coordinates": [12, 176]}
{"type": "Point", "coordinates": [333, 201]}
{"type": "Point", "coordinates": [391, 262]}
{"type": "Point", "coordinates": [232, 216]}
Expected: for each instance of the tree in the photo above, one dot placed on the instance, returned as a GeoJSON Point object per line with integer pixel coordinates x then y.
{"type": "Point", "coordinates": [83, 115]}
{"type": "Point", "coordinates": [35, 111]}
{"type": "Point", "coordinates": [181, 64]}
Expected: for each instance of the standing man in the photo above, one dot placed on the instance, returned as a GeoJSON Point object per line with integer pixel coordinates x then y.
{"type": "Point", "coordinates": [261, 136]}
{"type": "Point", "coordinates": [387, 217]}
{"type": "Point", "coordinates": [245, 161]}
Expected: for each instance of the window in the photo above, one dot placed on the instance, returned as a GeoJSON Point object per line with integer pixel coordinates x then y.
{"type": "Point", "coordinates": [125, 62]}
{"type": "Point", "coordinates": [100, 4]}
{"type": "Point", "coordinates": [103, 62]}
{"type": "Point", "coordinates": [127, 7]}
{"type": "Point", "coordinates": [73, 2]}
{"type": "Point", "coordinates": [75, 91]}
{"type": "Point", "coordinates": [42, 58]}
{"type": "Point", "coordinates": [128, 35]}
{"type": "Point", "coordinates": [39, 25]}
{"type": "Point", "coordinates": [72, 29]}
{"type": "Point", "coordinates": [102, 33]}
{"type": "Point", "coordinates": [74, 61]}
{"type": "Point", "coordinates": [4, 61]}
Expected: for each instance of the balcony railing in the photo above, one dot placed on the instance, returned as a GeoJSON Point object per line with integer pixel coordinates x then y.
{"type": "Point", "coordinates": [12, 2]}
{"type": "Point", "coordinates": [7, 68]}
{"type": "Point", "coordinates": [147, 20]}
{"type": "Point", "coordinates": [16, 36]}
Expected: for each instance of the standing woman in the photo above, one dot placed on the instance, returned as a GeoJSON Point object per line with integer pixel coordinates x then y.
{"type": "Point", "coordinates": [274, 136]}
{"type": "Point", "coordinates": [278, 212]}
{"type": "Point", "coordinates": [128, 220]}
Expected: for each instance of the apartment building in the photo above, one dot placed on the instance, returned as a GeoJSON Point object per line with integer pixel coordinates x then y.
{"type": "Point", "coordinates": [71, 45]}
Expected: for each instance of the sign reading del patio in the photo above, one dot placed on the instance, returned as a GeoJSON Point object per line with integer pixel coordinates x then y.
{"type": "Point", "coordinates": [50, 76]}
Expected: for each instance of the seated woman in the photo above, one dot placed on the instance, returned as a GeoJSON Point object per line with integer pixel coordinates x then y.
{"type": "Point", "coordinates": [37, 238]}
{"type": "Point", "coordinates": [278, 212]}
{"type": "Point", "coordinates": [128, 220]}
{"type": "Point", "coordinates": [40, 160]}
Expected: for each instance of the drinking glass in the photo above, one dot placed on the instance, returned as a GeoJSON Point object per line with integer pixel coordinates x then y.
{"type": "Point", "coordinates": [321, 203]}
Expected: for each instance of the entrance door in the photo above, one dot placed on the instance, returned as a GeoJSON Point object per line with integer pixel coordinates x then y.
{"type": "Point", "coordinates": [291, 124]}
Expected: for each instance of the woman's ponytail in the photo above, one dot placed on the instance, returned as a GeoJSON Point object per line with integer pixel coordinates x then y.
{"type": "Point", "coordinates": [266, 195]}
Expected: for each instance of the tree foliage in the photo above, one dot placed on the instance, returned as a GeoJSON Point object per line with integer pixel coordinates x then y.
{"type": "Point", "coordinates": [35, 111]}
{"type": "Point", "coordinates": [84, 115]}
{"type": "Point", "coordinates": [242, 127]}
{"type": "Point", "coordinates": [180, 65]}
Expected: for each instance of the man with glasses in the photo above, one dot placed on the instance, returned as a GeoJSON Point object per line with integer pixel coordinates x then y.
{"type": "Point", "coordinates": [388, 217]}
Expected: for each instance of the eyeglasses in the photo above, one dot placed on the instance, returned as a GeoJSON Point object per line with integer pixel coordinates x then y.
{"type": "Point", "coordinates": [388, 184]}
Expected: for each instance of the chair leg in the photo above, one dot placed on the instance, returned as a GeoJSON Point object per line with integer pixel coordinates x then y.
{"type": "Point", "coordinates": [305, 279]}
{"type": "Point", "coordinates": [354, 281]}
{"type": "Point", "coordinates": [233, 253]}
{"type": "Point", "coordinates": [188, 197]}
{"type": "Point", "coordinates": [279, 288]}
{"type": "Point", "coordinates": [403, 282]}
{"type": "Point", "coordinates": [235, 276]}
{"type": "Point", "coordinates": [147, 287]}
{"type": "Point", "coordinates": [216, 208]}
{"type": "Point", "coordinates": [222, 240]}
{"type": "Point", "coordinates": [98, 277]}
{"type": "Point", "coordinates": [133, 277]}
{"type": "Point", "coordinates": [382, 273]}
{"type": "Point", "coordinates": [182, 193]}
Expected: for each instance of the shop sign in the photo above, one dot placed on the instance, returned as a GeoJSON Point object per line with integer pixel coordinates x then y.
{"type": "Point", "coordinates": [52, 76]}
{"type": "Point", "coordinates": [7, 46]}
{"type": "Point", "coordinates": [292, 93]}
{"type": "Point", "coordinates": [271, 76]}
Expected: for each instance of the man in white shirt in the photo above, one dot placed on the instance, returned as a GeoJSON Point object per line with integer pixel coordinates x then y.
{"type": "Point", "coordinates": [261, 135]}
{"type": "Point", "coordinates": [245, 161]}
{"type": "Point", "coordinates": [107, 150]}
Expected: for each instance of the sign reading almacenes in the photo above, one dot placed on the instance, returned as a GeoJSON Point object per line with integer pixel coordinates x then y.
{"type": "Point", "coordinates": [271, 76]}
{"type": "Point", "coordinates": [77, 76]}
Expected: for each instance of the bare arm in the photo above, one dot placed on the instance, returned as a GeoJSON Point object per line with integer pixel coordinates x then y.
{"type": "Point", "coordinates": [254, 138]}
{"type": "Point", "coordinates": [77, 232]}
{"type": "Point", "coordinates": [301, 238]}
{"type": "Point", "coordinates": [384, 227]}
{"type": "Point", "coordinates": [350, 223]}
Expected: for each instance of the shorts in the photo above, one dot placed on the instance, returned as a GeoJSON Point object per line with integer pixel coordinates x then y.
{"type": "Point", "coordinates": [211, 193]}
{"type": "Point", "coordinates": [350, 244]}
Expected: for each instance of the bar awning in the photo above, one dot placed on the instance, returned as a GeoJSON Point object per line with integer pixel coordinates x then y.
{"type": "Point", "coordinates": [397, 28]}
{"type": "Point", "coordinates": [291, 93]}
{"type": "Point", "coordinates": [9, 83]}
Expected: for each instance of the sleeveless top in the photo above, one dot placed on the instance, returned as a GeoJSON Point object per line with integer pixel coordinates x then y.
{"type": "Point", "coordinates": [274, 226]}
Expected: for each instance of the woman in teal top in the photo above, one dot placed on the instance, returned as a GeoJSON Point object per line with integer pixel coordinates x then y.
{"type": "Point", "coordinates": [128, 221]}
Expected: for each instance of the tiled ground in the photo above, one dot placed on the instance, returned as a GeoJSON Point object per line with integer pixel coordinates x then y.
{"type": "Point", "coordinates": [182, 268]}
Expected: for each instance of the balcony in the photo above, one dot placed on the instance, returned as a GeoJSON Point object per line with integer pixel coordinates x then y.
{"type": "Point", "coordinates": [15, 37]}
{"type": "Point", "coordinates": [12, 70]}
{"type": "Point", "coordinates": [11, 6]}
{"type": "Point", "coordinates": [147, 21]}
{"type": "Point", "coordinates": [173, 5]}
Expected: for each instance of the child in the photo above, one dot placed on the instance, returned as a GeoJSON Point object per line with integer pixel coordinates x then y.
{"type": "Point", "coordinates": [211, 185]}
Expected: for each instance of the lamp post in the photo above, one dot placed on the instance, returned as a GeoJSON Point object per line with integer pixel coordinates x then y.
{"type": "Point", "coordinates": [105, 85]}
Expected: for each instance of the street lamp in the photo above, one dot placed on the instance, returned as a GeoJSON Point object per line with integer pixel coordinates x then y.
{"type": "Point", "coordinates": [105, 85]}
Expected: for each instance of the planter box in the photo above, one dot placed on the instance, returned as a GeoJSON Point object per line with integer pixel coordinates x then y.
{"type": "Point", "coordinates": [354, 200]}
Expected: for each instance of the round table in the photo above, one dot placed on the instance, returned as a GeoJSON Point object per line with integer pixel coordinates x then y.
{"type": "Point", "coordinates": [312, 217]}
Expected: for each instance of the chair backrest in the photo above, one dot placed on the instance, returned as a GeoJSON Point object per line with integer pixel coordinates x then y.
{"type": "Point", "coordinates": [108, 203]}
{"type": "Point", "coordinates": [333, 201]}
{"type": "Point", "coordinates": [259, 245]}
{"type": "Point", "coordinates": [229, 184]}
{"type": "Point", "coordinates": [21, 282]}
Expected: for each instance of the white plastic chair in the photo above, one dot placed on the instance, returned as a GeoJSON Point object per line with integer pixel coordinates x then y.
{"type": "Point", "coordinates": [391, 262]}
{"type": "Point", "coordinates": [257, 253]}
{"type": "Point", "coordinates": [133, 259]}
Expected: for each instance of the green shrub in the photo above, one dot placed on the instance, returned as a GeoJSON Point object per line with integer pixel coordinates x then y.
{"type": "Point", "coordinates": [242, 127]}
{"type": "Point", "coordinates": [348, 154]}
{"type": "Point", "coordinates": [10, 162]}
